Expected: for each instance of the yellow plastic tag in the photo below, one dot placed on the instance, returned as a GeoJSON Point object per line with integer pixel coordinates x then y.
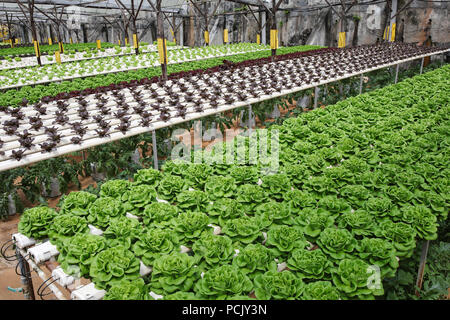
{"type": "Point", "coordinates": [50, 42]}
{"type": "Point", "coordinates": [36, 48]}
{"type": "Point", "coordinates": [173, 35]}
{"type": "Point", "coordinates": [135, 42]}
{"type": "Point", "coordinates": [161, 43]}
{"type": "Point", "coordinates": [71, 41]}
{"type": "Point", "coordinates": [207, 37]}
{"type": "Point", "coordinates": [273, 39]}
{"type": "Point", "coordinates": [225, 35]}
{"type": "Point", "coordinates": [61, 47]}
{"type": "Point", "coordinates": [126, 41]}
{"type": "Point", "coordinates": [119, 42]}
{"type": "Point", "coordinates": [386, 33]}
{"type": "Point", "coordinates": [258, 39]}
{"type": "Point", "coordinates": [99, 44]}
{"type": "Point", "coordinates": [58, 57]}
{"type": "Point", "coordinates": [341, 42]}
{"type": "Point", "coordinates": [393, 33]}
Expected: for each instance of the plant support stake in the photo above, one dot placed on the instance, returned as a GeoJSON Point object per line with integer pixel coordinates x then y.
{"type": "Point", "coordinates": [316, 96]}
{"type": "Point", "coordinates": [361, 82]}
{"type": "Point", "coordinates": [396, 72]}
{"type": "Point", "coordinates": [421, 65]}
{"type": "Point", "coordinates": [249, 120]}
{"type": "Point", "coordinates": [423, 260]}
{"type": "Point", "coordinates": [155, 150]}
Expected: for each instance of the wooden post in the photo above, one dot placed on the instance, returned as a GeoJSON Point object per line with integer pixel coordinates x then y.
{"type": "Point", "coordinates": [423, 260]}
{"type": "Point", "coordinates": [316, 96]}
{"type": "Point", "coordinates": [396, 73]}
{"type": "Point", "coordinates": [361, 83]}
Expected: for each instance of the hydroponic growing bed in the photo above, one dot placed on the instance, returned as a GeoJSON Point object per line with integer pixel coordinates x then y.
{"type": "Point", "coordinates": [52, 128]}
{"type": "Point", "coordinates": [19, 77]}
{"type": "Point", "coordinates": [359, 183]}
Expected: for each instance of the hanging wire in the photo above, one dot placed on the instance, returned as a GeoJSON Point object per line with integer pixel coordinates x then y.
{"type": "Point", "coordinates": [40, 290]}
{"type": "Point", "coordinates": [5, 248]}
{"type": "Point", "coordinates": [17, 265]}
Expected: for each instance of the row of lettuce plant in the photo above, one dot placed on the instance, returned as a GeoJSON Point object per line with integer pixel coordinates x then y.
{"type": "Point", "coordinates": [50, 49]}
{"type": "Point", "coordinates": [113, 160]}
{"type": "Point", "coordinates": [360, 182]}
{"type": "Point", "coordinates": [33, 94]}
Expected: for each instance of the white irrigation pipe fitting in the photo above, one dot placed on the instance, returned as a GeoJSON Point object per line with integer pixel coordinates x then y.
{"type": "Point", "coordinates": [94, 230]}
{"type": "Point", "coordinates": [43, 252]}
{"type": "Point", "coordinates": [144, 270]}
{"type": "Point", "coordinates": [88, 292]}
{"type": "Point", "coordinates": [22, 241]}
{"type": "Point", "coordinates": [281, 266]}
{"type": "Point", "coordinates": [93, 140]}
{"type": "Point", "coordinates": [61, 277]}
{"type": "Point", "coordinates": [155, 296]}
{"type": "Point", "coordinates": [216, 229]}
{"type": "Point", "coordinates": [184, 249]}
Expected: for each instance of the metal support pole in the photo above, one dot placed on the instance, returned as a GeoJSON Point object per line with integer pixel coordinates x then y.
{"type": "Point", "coordinates": [423, 260]}
{"type": "Point", "coordinates": [361, 82]}
{"type": "Point", "coordinates": [249, 120]}
{"type": "Point", "coordinates": [396, 73]}
{"type": "Point", "coordinates": [25, 278]}
{"type": "Point", "coordinates": [155, 150]}
{"type": "Point", "coordinates": [316, 96]}
{"type": "Point", "coordinates": [442, 59]}
{"type": "Point", "coordinates": [421, 65]}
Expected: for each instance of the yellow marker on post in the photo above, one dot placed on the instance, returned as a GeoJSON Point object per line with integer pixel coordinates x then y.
{"type": "Point", "coordinates": [341, 42]}
{"type": "Point", "coordinates": [36, 48]}
{"type": "Point", "coordinates": [206, 34]}
{"type": "Point", "coordinates": [386, 33]}
{"type": "Point", "coordinates": [173, 35]}
{"type": "Point", "coordinates": [273, 39]}
{"type": "Point", "coordinates": [17, 41]}
{"type": "Point", "coordinates": [99, 44]}
{"type": "Point", "coordinates": [119, 42]}
{"type": "Point", "coordinates": [61, 47]}
{"type": "Point", "coordinates": [58, 57]}
{"type": "Point", "coordinates": [161, 44]}
{"type": "Point", "coordinates": [71, 41]}
{"type": "Point", "coordinates": [225, 35]}
{"type": "Point", "coordinates": [135, 41]}
{"type": "Point", "coordinates": [126, 41]}
{"type": "Point", "coordinates": [258, 39]}
{"type": "Point", "coordinates": [276, 40]}
{"type": "Point", "coordinates": [393, 33]}
{"type": "Point", "coordinates": [50, 42]}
